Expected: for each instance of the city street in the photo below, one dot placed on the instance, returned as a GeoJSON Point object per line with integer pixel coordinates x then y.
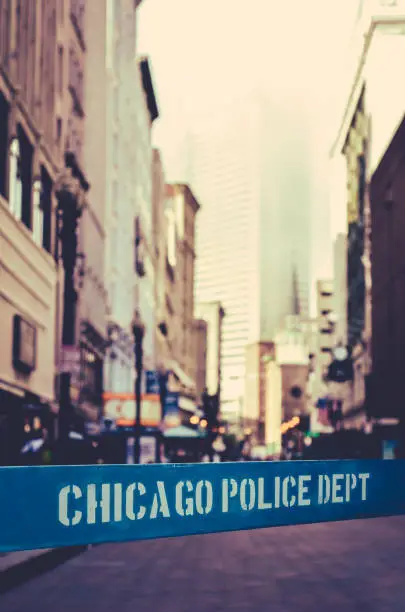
{"type": "Point", "coordinates": [355, 566]}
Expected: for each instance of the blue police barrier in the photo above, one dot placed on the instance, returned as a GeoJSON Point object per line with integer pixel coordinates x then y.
{"type": "Point", "coordinates": [42, 507]}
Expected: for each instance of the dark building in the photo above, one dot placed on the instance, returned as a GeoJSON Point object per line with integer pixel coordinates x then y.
{"type": "Point", "coordinates": [386, 385]}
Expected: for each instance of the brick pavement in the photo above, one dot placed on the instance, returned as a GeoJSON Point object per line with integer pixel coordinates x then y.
{"type": "Point", "coordinates": [356, 566]}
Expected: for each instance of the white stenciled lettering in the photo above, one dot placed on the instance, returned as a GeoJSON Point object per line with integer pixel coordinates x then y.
{"type": "Point", "coordinates": [337, 486]}
{"type": "Point", "coordinates": [247, 505]}
{"type": "Point", "coordinates": [203, 484]}
{"type": "Point", "coordinates": [351, 483]}
{"type": "Point", "coordinates": [324, 489]}
{"type": "Point", "coordinates": [180, 500]}
{"type": "Point", "coordinates": [261, 504]}
{"type": "Point", "coordinates": [303, 490]}
{"type": "Point", "coordinates": [159, 503]}
{"type": "Point", "coordinates": [229, 490]}
{"type": "Point", "coordinates": [93, 503]}
{"type": "Point", "coordinates": [105, 503]}
{"type": "Point", "coordinates": [288, 501]}
{"type": "Point", "coordinates": [364, 478]}
{"type": "Point", "coordinates": [131, 513]}
{"type": "Point", "coordinates": [117, 502]}
{"type": "Point", "coordinates": [277, 491]}
{"type": "Point", "coordinates": [64, 508]}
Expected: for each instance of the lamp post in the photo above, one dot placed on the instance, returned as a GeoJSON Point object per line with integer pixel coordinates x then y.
{"type": "Point", "coordinates": [113, 335]}
{"type": "Point", "coordinates": [70, 207]}
{"type": "Point", "coordinates": [163, 375]}
{"type": "Point", "coordinates": [138, 330]}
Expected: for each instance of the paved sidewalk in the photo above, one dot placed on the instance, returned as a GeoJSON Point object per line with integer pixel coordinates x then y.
{"type": "Point", "coordinates": [19, 567]}
{"type": "Point", "coordinates": [356, 566]}
{"type": "Point", "coordinates": [10, 560]}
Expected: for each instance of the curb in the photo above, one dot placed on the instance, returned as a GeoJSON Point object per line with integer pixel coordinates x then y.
{"type": "Point", "coordinates": [28, 569]}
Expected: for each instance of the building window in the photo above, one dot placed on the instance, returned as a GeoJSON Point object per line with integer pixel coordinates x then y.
{"type": "Point", "coordinates": [76, 86]}
{"type": "Point", "coordinates": [139, 248]}
{"type": "Point", "coordinates": [60, 69]}
{"type": "Point", "coordinates": [46, 205]}
{"type": "Point", "coordinates": [77, 17]}
{"type": "Point", "coordinates": [15, 182]}
{"type": "Point", "coordinates": [4, 113]}
{"type": "Point", "coordinates": [59, 131]}
{"type": "Point", "coordinates": [38, 213]}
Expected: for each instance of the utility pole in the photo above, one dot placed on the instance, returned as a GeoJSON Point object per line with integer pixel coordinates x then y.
{"type": "Point", "coordinates": [138, 330]}
{"type": "Point", "coordinates": [163, 384]}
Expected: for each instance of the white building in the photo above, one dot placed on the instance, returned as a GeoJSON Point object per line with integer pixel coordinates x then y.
{"type": "Point", "coordinates": [213, 314]}
{"type": "Point", "coordinates": [340, 287]}
{"type": "Point", "coordinates": [253, 228]}
{"type": "Point", "coordinates": [146, 113]}
{"type": "Point", "coordinates": [378, 46]}
{"type": "Point", "coordinates": [120, 187]}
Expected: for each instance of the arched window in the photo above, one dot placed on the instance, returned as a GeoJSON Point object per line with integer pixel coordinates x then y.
{"type": "Point", "coordinates": [15, 183]}
{"type": "Point", "coordinates": [38, 216]}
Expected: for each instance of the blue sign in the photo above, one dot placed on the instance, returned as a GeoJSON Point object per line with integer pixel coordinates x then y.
{"type": "Point", "coordinates": [53, 506]}
{"type": "Point", "coordinates": [152, 382]}
{"type": "Point", "coordinates": [171, 403]}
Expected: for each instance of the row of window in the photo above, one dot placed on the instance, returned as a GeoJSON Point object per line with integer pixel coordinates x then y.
{"type": "Point", "coordinates": [29, 200]}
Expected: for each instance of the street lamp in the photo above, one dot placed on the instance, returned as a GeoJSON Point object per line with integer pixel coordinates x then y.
{"type": "Point", "coordinates": [138, 330]}
{"type": "Point", "coordinates": [163, 377]}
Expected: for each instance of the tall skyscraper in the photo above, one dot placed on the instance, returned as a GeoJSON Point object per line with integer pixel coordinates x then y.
{"type": "Point", "coordinates": [247, 167]}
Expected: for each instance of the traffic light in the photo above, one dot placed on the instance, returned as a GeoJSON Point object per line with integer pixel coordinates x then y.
{"type": "Point", "coordinates": [341, 371]}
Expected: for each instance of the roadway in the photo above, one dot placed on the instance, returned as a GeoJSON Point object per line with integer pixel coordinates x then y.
{"type": "Point", "coordinates": [356, 566]}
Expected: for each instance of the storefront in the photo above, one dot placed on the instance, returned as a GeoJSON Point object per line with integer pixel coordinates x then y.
{"type": "Point", "coordinates": [11, 424]}
{"type": "Point", "coordinates": [27, 338]}
{"type": "Point", "coordinates": [24, 417]}
{"type": "Point", "coordinates": [87, 382]}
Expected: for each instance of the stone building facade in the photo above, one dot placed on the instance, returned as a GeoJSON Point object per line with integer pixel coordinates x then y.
{"type": "Point", "coordinates": [41, 122]}
{"type": "Point", "coordinates": [181, 211]}
{"type": "Point", "coordinates": [159, 229]}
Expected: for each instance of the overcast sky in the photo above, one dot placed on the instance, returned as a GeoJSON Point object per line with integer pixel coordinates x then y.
{"type": "Point", "coordinates": [206, 53]}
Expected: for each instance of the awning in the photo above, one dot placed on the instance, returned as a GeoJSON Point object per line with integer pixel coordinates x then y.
{"type": "Point", "coordinates": [181, 375]}
{"type": "Point", "coordinates": [181, 432]}
{"type": "Point", "coordinates": [187, 404]}
{"type": "Point", "coordinates": [4, 386]}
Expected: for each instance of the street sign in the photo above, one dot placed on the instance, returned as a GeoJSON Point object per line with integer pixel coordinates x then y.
{"type": "Point", "coordinates": [152, 382]}
{"type": "Point", "coordinates": [171, 416]}
{"type": "Point", "coordinates": [72, 505]}
{"type": "Point", "coordinates": [120, 407]}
